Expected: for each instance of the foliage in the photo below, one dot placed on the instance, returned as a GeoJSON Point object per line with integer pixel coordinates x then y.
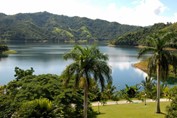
{"type": "Point", "coordinates": [172, 92]}
{"type": "Point", "coordinates": [149, 86]}
{"type": "Point", "coordinates": [131, 92]}
{"type": "Point", "coordinates": [36, 108]}
{"type": "Point", "coordinates": [108, 93]}
{"type": "Point", "coordinates": [70, 102]}
{"type": "Point", "coordinates": [128, 93]}
{"type": "Point", "coordinates": [47, 27]}
{"type": "Point", "coordinates": [161, 58]}
{"type": "Point", "coordinates": [3, 48]}
{"type": "Point", "coordinates": [29, 88]}
{"type": "Point", "coordinates": [46, 86]}
{"type": "Point", "coordinates": [20, 73]}
{"type": "Point", "coordinates": [139, 37]}
{"type": "Point", "coordinates": [116, 96]}
{"type": "Point", "coordinates": [89, 65]}
{"type": "Point", "coordinates": [172, 108]}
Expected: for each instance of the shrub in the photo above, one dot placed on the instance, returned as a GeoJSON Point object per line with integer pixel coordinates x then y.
{"type": "Point", "coordinates": [37, 108]}
{"type": "Point", "coordinates": [172, 109]}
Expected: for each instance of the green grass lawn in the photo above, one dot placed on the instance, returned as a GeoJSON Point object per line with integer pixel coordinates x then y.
{"type": "Point", "coordinates": [133, 110]}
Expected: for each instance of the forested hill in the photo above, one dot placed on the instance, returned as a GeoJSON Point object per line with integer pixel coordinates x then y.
{"type": "Point", "coordinates": [47, 27]}
{"type": "Point", "coordinates": [139, 37]}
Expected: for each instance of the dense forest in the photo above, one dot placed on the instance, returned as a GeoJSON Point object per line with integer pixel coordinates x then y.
{"type": "Point", "coordinates": [47, 27]}
{"type": "Point", "coordinates": [140, 36]}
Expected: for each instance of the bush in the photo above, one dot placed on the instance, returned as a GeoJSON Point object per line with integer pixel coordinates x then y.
{"type": "Point", "coordinates": [172, 109]}
{"type": "Point", "coordinates": [39, 108]}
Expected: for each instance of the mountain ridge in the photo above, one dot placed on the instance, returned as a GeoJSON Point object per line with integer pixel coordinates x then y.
{"type": "Point", "coordinates": [44, 26]}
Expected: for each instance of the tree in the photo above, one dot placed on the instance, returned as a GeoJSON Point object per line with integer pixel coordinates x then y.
{"type": "Point", "coordinates": [3, 48]}
{"type": "Point", "coordinates": [89, 63]}
{"type": "Point", "coordinates": [30, 87]}
{"type": "Point", "coordinates": [161, 57]}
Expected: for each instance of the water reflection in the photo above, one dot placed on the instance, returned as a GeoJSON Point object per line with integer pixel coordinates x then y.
{"type": "Point", "coordinates": [49, 59]}
{"type": "Point", "coordinates": [121, 66]}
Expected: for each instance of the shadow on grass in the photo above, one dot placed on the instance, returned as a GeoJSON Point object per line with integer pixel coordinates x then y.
{"type": "Point", "coordinates": [161, 113]}
{"type": "Point", "coordinates": [100, 113]}
{"type": "Point", "coordinates": [95, 114]}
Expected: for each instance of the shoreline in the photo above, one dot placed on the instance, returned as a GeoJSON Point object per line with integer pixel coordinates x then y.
{"type": "Point", "coordinates": [142, 65]}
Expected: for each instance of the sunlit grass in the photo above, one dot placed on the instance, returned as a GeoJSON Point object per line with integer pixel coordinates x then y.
{"type": "Point", "coordinates": [131, 110]}
{"type": "Point", "coordinates": [10, 52]}
{"type": "Point", "coordinates": [142, 65]}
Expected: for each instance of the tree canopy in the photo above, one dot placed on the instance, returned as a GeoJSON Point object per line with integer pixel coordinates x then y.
{"type": "Point", "coordinates": [34, 92]}
{"type": "Point", "coordinates": [139, 37]}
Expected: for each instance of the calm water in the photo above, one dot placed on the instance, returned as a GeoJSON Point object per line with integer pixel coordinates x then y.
{"type": "Point", "coordinates": [48, 59]}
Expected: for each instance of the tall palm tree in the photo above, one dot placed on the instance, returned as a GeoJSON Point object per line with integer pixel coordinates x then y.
{"type": "Point", "coordinates": [89, 63]}
{"type": "Point", "coordinates": [160, 59]}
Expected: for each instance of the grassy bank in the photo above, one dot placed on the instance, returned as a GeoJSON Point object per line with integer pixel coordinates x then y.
{"type": "Point", "coordinates": [172, 77]}
{"type": "Point", "coordinates": [131, 110]}
{"type": "Point", "coordinates": [10, 52]}
{"type": "Point", "coordinates": [142, 65]}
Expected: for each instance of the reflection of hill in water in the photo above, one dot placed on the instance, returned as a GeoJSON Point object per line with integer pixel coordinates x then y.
{"type": "Point", "coordinates": [49, 59]}
{"type": "Point", "coordinates": [3, 55]}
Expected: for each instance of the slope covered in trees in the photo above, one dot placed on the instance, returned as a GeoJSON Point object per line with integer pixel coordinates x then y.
{"type": "Point", "coordinates": [47, 27]}
{"type": "Point", "coordinates": [139, 37]}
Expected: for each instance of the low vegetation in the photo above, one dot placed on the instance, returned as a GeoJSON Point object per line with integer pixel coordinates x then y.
{"type": "Point", "coordinates": [10, 52]}
{"type": "Point", "coordinates": [172, 108]}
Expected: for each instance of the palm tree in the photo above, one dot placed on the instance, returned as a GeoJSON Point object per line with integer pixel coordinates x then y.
{"type": "Point", "coordinates": [89, 63]}
{"type": "Point", "coordinates": [160, 59]}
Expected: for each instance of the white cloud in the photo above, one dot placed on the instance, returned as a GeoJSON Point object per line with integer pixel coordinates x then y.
{"type": "Point", "coordinates": [147, 12]}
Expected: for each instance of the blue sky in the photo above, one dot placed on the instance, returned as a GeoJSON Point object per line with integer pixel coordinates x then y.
{"type": "Point", "coordinates": [132, 12]}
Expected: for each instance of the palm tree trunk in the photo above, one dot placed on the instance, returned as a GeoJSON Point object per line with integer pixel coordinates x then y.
{"type": "Point", "coordinates": [158, 87]}
{"type": "Point", "coordinates": [85, 99]}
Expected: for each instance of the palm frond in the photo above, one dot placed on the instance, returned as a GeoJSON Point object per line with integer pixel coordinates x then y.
{"type": "Point", "coordinates": [68, 73]}
{"type": "Point", "coordinates": [145, 51]}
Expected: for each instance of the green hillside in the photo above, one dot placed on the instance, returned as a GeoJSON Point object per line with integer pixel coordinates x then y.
{"type": "Point", "coordinates": [138, 37]}
{"type": "Point", "coordinates": [47, 27]}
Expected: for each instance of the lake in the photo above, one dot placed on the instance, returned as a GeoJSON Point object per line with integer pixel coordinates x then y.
{"type": "Point", "coordinates": [48, 58]}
